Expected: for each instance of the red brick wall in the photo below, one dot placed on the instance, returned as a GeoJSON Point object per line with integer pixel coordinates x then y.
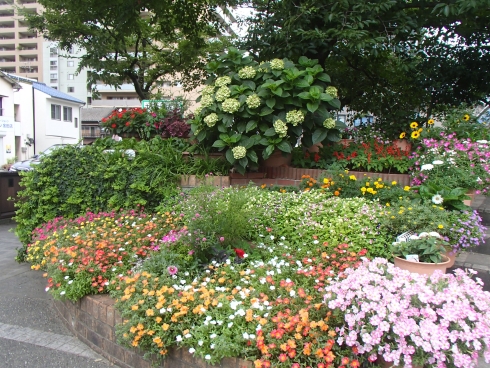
{"type": "Point", "coordinates": [93, 319]}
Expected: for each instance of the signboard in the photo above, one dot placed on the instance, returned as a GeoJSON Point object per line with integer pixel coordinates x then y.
{"type": "Point", "coordinates": [169, 104]}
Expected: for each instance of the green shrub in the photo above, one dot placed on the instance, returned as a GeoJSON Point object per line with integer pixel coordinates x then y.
{"type": "Point", "coordinates": [74, 179]}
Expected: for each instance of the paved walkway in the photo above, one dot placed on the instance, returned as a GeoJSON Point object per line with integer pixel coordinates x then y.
{"type": "Point", "coordinates": [31, 334]}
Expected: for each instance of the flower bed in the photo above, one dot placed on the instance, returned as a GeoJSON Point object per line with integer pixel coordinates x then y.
{"type": "Point", "coordinates": [230, 273]}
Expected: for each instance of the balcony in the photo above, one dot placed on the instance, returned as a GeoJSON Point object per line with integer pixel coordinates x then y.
{"type": "Point", "coordinates": [6, 13]}
{"type": "Point", "coordinates": [28, 69]}
{"type": "Point", "coordinates": [27, 35]}
{"type": "Point", "coordinates": [8, 69]}
{"type": "Point", "coordinates": [27, 46]}
{"type": "Point", "coordinates": [23, 2]}
{"type": "Point", "coordinates": [10, 24]}
{"type": "Point", "coordinates": [28, 58]}
{"type": "Point", "coordinates": [6, 2]}
{"type": "Point", "coordinates": [10, 47]}
{"type": "Point", "coordinates": [7, 35]}
{"type": "Point", "coordinates": [7, 59]}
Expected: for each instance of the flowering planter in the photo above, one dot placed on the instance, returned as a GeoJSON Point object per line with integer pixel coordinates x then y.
{"type": "Point", "coordinates": [422, 268]}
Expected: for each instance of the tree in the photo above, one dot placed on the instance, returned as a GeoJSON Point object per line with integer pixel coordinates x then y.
{"type": "Point", "coordinates": [396, 59]}
{"type": "Point", "coordinates": [136, 41]}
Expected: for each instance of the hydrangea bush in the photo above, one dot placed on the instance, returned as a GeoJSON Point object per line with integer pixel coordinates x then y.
{"type": "Point", "coordinates": [248, 109]}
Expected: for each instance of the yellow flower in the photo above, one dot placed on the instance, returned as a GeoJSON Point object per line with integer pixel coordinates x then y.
{"type": "Point", "coordinates": [363, 189]}
{"type": "Point", "coordinates": [367, 183]}
{"type": "Point", "coordinates": [325, 181]}
{"type": "Point", "coordinates": [414, 125]}
{"type": "Point", "coordinates": [402, 135]}
{"type": "Point", "coordinates": [440, 226]}
{"type": "Point", "coordinates": [430, 122]}
{"type": "Point", "coordinates": [352, 177]}
{"type": "Point", "coordinates": [393, 182]}
{"type": "Point", "coordinates": [415, 134]}
{"type": "Point", "coordinates": [406, 188]}
{"type": "Point", "coordinates": [420, 130]}
{"type": "Point", "coordinates": [387, 205]}
{"type": "Point", "coordinates": [466, 117]}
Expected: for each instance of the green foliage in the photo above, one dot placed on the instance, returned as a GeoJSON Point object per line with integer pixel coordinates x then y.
{"type": "Point", "coordinates": [217, 221]}
{"type": "Point", "coordinates": [428, 247]}
{"type": "Point", "coordinates": [248, 110]}
{"type": "Point", "coordinates": [75, 179]}
{"type": "Point", "coordinates": [406, 215]}
{"type": "Point", "coordinates": [450, 198]}
{"type": "Point", "coordinates": [404, 53]}
{"type": "Point", "coordinates": [121, 45]}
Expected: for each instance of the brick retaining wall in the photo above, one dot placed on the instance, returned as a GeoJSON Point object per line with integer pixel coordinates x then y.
{"type": "Point", "coordinates": [93, 318]}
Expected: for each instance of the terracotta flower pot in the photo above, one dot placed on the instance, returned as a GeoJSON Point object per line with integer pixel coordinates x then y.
{"type": "Point", "coordinates": [277, 159]}
{"type": "Point", "coordinates": [471, 194]}
{"type": "Point", "coordinates": [422, 268]}
{"type": "Point", "coordinates": [452, 258]}
{"type": "Point", "coordinates": [403, 144]}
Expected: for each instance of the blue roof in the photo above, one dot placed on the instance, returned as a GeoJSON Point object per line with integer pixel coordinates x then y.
{"type": "Point", "coordinates": [55, 93]}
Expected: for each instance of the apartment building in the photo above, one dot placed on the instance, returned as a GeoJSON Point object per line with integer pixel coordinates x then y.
{"type": "Point", "coordinates": [20, 49]}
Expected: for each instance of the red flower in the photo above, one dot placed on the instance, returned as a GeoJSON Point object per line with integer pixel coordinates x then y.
{"type": "Point", "coordinates": [317, 157]}
{"type": "Point", "coordinates": [113, 125]}
{"type": "Point", "coordinates": [239, 252]}
{"type": "Point", "coordinates": [127, 123]}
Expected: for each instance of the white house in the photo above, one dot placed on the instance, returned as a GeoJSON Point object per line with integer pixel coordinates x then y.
{"type": "Point", "coordinates": [42, 116]}
{"type": "Point", "coordinates": [8, 128]}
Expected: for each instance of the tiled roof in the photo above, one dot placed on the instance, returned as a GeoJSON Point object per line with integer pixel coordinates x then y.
{"type": "Point", "coordinates": [55, 93]}
{"type": "Point", "coordinates": [95, 113]}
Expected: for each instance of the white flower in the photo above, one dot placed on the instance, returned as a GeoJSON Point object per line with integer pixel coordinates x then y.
{"type": "Point", "coordinates": [178, 338]}
{"type": "Point", "coordinates": [426, 167]}
{"type": "Point", "coordinates": [200, 342]}
{"type": "Point", "coordinates": [277, 64]}
{"type": "Point", "coordinates": [212, 336]}
{"type": "Point", "coordinates": [46, 289]}
{"type": "Point", "coordinates": [63, 293]}
{"type": "Point", "coordinates": [230, 105]}
{"type": "Point", "coordinates": [187, 336]}
{"type": "Point", "coordinates": [70, 282]}
{"type": "Point", "coordinates": [292, 293]}
{"type": "Point", "coordinates": [230, 324]}
{"type": "Point", "coordinates": [207, 357]}
{"type": "Point", "coordinates": [434, 234]}
{"type": "Point", "coordinates": [192, 350]}
{"type": "Point", "coordinates": [245, 336]}
{"type": "Point", "coordinates": [239, 152]}
{"type": "Point", "coordinates": [437, 199]}
{"type": "Point", "coordinates": [437, 162]}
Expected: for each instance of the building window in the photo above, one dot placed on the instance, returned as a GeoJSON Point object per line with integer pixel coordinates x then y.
{"type": "Point", "coordinates": [55, 112]}
{"type": "Point", "coordinates": [1, 106]}
{"type": "Point", "coordinates": [71, 63]}
{"type": "Point", "coordinates": [76, 122]}
{"type": "Point", "coordinates": [53, 75]}
{"type": "Point", "coordinates": [53, 65]}
{"type": "Point", "coordinates": [71, 76]}
{"type": "Point", "coordinates": [71, 50]}
{"type": "Point", "coordinates": [89, 100]}
{"type": "Point", "coordinates": [67, 114]}
{"type": "Point", "coordinates": [53, 52]}
{"type": "Point", "coordinates": [71, 89]}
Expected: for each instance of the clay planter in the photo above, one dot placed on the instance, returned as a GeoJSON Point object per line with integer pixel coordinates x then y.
{"type": "Point", "coordinates": [131, 135]}
{"type": "Point", "coordinates": [277, 159]}
{"type": "Point", "coordinates": [471, 194]}
{"type": "Point", "coordinates": [422, 268]}
{"type": "Point", "coordinates": [403, 144]}
{"type": "Point", "coordinates": [452, 258]}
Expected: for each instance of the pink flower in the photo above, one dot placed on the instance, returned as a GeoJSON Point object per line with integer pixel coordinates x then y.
{"type": "Point", "coordinates": [221, 239]}
{"type": "Point", "coordinates": [172, 270]}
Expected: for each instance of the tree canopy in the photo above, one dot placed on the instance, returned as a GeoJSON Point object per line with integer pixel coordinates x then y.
{"type": "Point", "coordinates": [397, 59]}
{"type": "Point", "coordinates": [138, 42]}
